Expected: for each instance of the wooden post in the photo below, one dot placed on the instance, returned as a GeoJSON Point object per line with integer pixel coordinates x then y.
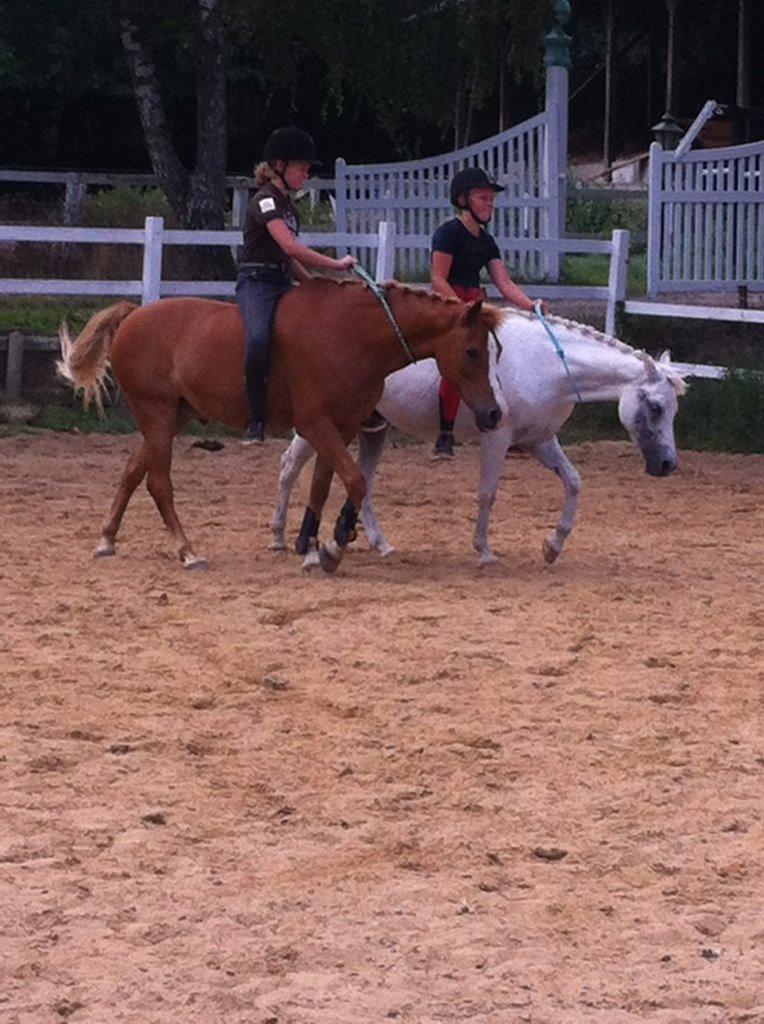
{"type": "Point", "coordinates": [152, 260]}
{"type": "Point", "coordinates": [14, 365]}
{"type": "Point", "coordinates": [385, 269]}
{"type": "Point", "coordinates": [239, 206]}
{"type": "Point", "coordinates": [557, 62]}
{"type": "Point", "coordinates": [617, 279]}
{"type": "Point", "coordinates": [75, 193]}
{"type": "Point", "coordinates": [339, 201]}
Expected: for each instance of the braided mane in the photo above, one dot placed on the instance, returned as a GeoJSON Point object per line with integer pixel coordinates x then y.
{"type": "Point", "coordinates": [492, 316]}
{"type": "Point", "coordinates": [593, 334]}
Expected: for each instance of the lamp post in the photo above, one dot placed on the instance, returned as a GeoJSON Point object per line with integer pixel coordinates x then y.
{"type": "Point", "coordinates": [667, 132]}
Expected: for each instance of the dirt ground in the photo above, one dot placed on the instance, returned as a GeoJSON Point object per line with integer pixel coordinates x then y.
{"type": "Point", "coordinates": [414, 791]}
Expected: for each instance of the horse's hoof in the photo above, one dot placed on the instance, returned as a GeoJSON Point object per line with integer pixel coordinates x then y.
{"type": "Point", "coordinates": [549, 552]}
{"type": "Point", "coordinates": [105, 549]}
{"type": "Point", "coordinates": [487, 558]}
{"type": "Point", "coordinates": [195, 562]}
{"type": "Point", "coordinates": [330, 556]}
{"type": "Point", "coordinates": [352, 535]}
{"type": "Point", "coordinates": [311, 560]}
{"type": "Point", "coordinates": [385, 549]}
{"type": "Point", "coordinates": [277, 544]}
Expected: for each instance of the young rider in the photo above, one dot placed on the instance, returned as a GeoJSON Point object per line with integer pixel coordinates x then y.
{"type": "Point", "coordinates": [461, 248]}
{"type": "Point", "coordinates": [273, 257]}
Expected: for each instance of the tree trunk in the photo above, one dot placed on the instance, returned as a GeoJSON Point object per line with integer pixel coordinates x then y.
{"type": "Point", "coordinates": [173, 176]}
{"type": "Point", "coordinates": [743, 91]}
{"type": "Point", "coordinates": [207, 201]}
{"type": "Point", "coordinates": [502, 90]}
{"type": "Point", "coordinates": [607, 155]}
{"type": "Point", "coordinates": [671, 5]}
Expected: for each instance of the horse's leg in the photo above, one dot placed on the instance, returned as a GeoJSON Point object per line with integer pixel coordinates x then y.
{"type": "Point", "coordinates": [133, 473]}
{"type": "Point", "coordinates": [293, 460]}
{"type": "Point", "coordinates": [159, 424]}
{"type": "Point", "coordinates": [551, 455]}
{"type": "Point", "coordinates": [331, 448]}
{"type": "Point", "coordinates": [370, 448]}
{"type": "Point", "coordinates": [493, 450]}
{"type": "Point", "coordinates": [307, 540]}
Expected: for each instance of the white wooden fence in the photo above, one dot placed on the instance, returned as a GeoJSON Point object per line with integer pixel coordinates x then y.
{"type": "Point", "coordinates": [151, 286]}
{"type": "Point", "coordinates": [413, 195]}
{"type": "Point", "coordinates": [706, 219]}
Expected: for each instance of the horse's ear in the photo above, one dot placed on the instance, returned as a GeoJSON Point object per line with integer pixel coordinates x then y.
{"type": "Point", "coordinates": [665, 356]}
{"type": "Point", "coordinates": [653, 374]}
{"type": "Point", "coordinates": [473, 311]}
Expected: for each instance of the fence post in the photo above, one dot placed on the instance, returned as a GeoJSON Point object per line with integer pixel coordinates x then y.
{"type": "Point", "coordinates": [557, 62]}
{"type": "Point", "coordinates": [616, 286]}
{"type": "Point", "coordinates": [73, 196]}
{"type": "Point", "coordinates": [339, 200]}
{"type": "Point", "coordinates": [654, 207]}
{"type": "Point", "coordinates": [152, 260]}
{"type": "Point", "coordinates": [385, 251]}
{"type": "Point", "coordinates": [13, 366]}
{"type": "Point", "coordinates": [239, 205]}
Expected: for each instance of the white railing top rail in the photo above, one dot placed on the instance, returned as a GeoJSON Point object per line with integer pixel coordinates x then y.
{"type": "Point", "coordinates": [745, 149]}
{"type": "Point", "coordinates": [449, 159]}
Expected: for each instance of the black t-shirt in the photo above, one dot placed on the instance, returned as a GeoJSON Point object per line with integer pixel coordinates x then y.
{"type": "Point", "coordinates": [268, 203]}
{"type": "Point", "coordinates": [470, 253]}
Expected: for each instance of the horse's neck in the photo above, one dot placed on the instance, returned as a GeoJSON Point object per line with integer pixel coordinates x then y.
{"type": "Point", "coordinates": [422, 319]}
{"type": "Point", "coordinates": [599, 370]}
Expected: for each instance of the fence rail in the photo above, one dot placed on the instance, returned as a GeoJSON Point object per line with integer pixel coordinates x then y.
{"type": "Point", "coordinates": [381, 244]}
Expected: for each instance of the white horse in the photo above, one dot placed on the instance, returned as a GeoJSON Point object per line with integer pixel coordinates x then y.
{"type": "Point", "coordinates": [537, 390]}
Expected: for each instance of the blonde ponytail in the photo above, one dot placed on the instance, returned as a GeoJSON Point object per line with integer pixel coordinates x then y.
{"type": "Point", "coordinates": [264, 174]}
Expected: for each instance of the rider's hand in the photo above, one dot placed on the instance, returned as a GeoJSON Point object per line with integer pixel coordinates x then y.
{"type": "Point", "coordinates": [346, 262]}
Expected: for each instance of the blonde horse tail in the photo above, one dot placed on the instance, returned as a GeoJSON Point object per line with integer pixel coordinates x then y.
{"type": "Point", "coordinates": [85, 361]}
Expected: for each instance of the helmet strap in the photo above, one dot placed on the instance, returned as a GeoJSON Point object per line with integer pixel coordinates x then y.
{"type": "Point", "coordinates": [478, 220]}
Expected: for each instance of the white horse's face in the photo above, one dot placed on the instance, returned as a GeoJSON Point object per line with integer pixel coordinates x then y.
{"type": "Point", "coordinates": [647, 410]}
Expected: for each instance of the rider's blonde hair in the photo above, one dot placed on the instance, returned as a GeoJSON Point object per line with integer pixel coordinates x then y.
{"type": "Point", "coordinates": [264, 174]}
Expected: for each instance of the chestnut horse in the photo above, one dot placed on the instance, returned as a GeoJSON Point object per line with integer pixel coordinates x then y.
{"type": "Point", "coordinates": [333, 346]}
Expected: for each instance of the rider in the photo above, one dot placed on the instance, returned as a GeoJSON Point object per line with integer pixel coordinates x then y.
{"type": "Point", "coordinates": [273, 257]}
{"type": "Point", "coordinates": [460, 249]}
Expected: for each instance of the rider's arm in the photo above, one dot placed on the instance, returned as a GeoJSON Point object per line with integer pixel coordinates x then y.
{"type": "Point", "coordinates": [439, 271]}
{"type": "Point", "coordinates": [507, 287]}
{"type": "Point", "coordinates": [298, 272]}
{"type": "Point", "coordinates": [293, 249]}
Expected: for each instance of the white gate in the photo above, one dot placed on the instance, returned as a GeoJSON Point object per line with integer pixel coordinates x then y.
{"type": "Point", "coordinates": [413, 195]}
{"type": "Point", "coordinates": [706, 219]}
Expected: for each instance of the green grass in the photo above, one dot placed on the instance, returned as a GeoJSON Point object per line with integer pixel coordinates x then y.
{"type": "Point", "coordinates": [41, 315]}
{"type": "Point", "coordinates": [593, 270]}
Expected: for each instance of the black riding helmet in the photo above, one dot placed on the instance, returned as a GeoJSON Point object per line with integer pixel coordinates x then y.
{"type": "Point", "coordinates": [290, 144]}
{"type": "Point", "coordinates": [464, 181]}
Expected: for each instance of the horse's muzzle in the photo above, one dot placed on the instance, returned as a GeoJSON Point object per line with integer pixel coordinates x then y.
{"type": "Point", "coordinates": [487, 418]}
{"type": "Point", "coordinates": [664, 466]}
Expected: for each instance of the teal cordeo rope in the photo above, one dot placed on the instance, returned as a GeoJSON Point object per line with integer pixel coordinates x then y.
{"type": "Point", "coordinates": [557, 347]}
{"type": "Point", "coordinates": [379, 292]}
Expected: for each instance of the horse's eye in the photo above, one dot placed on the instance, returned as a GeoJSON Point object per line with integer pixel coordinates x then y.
{"type": "Point", "coordinates": [473, 353]}
{"type": "Point", "coordinates": [655, 408]}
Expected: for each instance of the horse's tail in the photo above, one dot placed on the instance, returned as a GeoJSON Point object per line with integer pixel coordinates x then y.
{"type": "Point", "coordinates": [85, 361]}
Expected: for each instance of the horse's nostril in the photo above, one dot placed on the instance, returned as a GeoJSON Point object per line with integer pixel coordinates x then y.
{"type": "Point", "coordinates": [667, 466]}
{"type": "Point", "coordinates": [495, 416]}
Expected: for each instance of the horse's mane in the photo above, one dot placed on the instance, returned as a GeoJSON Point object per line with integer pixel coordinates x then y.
{"type": "Point", "coordinates": [676, 380]}
{"type": "Point", "coordinates": [491, 315]}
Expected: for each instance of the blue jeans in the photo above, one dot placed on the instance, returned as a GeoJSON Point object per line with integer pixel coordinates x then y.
{"type": "Point", "coordinates": [257, 293]}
